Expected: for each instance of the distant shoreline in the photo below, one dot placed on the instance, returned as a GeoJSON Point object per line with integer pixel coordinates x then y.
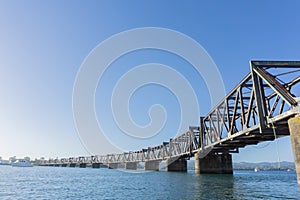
{"type": "Point", "coordinates": [263, 166]}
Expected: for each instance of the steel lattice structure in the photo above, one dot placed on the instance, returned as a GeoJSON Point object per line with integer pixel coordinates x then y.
{"type": "Point", "coordinates": [256, 110]}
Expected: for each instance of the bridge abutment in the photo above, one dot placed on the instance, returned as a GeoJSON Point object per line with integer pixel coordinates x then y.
{"type": "Point", "coordinates": [176, 165]}
{"type": "Point", "coordinates": [152, 165]}
{"type": "Point", "coordinates": [131, 165]}
{"type": "Point", "coordinates": [214, 164]}
{"type": "Point", "coordinates": [294, 127]}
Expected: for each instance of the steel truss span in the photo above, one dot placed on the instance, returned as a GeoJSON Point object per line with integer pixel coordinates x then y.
{"type": "Point", "coordinates": [256, 110]}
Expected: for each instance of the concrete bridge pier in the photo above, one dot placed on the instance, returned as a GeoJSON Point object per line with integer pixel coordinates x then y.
{"type": "Point", "coordinates": [82, 165]}
{"type": "Point", "coordinates": [131, 165]}
{"type": "Point", "coordinates": [214, 164]}
{"type": "Point", "coordinates": [176, 165]}
{"type": "Point", "coordinates": [294, 127]}
{"type": "Point", "coordinates": [72, 165]}
{"type": "Point", "coordinates": [95, 165]}
{"type": "Point", "coordinates": [113, 165]}
{"type": "Point", "coordinates": [103, 165]}
{"type": "Point", "coordinates": [152, 165]}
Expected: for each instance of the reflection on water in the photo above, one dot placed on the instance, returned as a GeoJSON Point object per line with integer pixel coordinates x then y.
{"type": "Point", "coordinates": [75, 183]}
{"type": "Point", "coordinates": [217, 186]}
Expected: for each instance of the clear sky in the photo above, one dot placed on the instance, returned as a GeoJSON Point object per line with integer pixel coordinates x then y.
{"type": "Point", "coordinates": [44, 43]}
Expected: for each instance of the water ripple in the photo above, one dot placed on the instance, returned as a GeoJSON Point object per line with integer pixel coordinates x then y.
{"type": "Point", "coordinates": [75, 183]}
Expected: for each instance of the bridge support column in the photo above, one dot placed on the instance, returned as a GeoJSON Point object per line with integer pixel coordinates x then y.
{"type": "Point", "coordinates": [113, 165]}
{"type": "Point", "coordinates": [213, 164]}
{"type": "Point", "coordinates": [95, 165]}
{"type": "Point", "coordinates": [294, 127]}
{"type": "Point", "coordinates": [103, 165]}
{"type": "Point", "coordinates": [72, 165]}
{"type": "Point", "coordinates": [176, 165]}
{"type": "Point", "coordinates": [152, 165]}
{"type": "Point", "coordinates": [82, 165]}
{"type": "Point", "coordinates": [131, 165]}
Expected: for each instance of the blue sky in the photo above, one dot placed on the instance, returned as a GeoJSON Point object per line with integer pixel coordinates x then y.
{"type": "Point", "coordinates": [43, 44]}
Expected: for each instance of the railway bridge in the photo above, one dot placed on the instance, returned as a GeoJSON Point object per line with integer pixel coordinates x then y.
{"type": "Point", "coordinates": [263, 106]}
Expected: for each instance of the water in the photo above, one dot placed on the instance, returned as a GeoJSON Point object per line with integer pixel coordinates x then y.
{"type": "Point", "coordinates": [76, 183]}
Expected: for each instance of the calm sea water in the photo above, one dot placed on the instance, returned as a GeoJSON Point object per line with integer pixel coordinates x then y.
{"type": "Point", "coordinates": [76, 183]}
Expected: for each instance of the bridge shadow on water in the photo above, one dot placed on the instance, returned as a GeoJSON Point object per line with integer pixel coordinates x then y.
{"type": "Point", "coordinates": [218, 186]}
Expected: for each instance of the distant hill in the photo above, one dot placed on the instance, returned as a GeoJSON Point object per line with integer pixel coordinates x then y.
{"type": "Point", "coordinates": [251, 166]}
{"type": "Point", "coordinates": [265, 165]}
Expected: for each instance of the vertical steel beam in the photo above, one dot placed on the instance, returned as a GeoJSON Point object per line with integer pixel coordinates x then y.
{"type": "Point", "coordinates": [201, 133]}
{"type": "Point", "coordinates": [259, 98]}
